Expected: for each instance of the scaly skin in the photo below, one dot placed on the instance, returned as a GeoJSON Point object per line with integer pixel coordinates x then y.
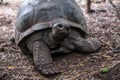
{"type": "Point", "coordinates": [41, 56]}
{"type": "Point", "coordinates": [84, 45]}
{"type": "Point", "coordinates": [74, 41]}
{"type": "Point", "coordinates": [36, 44]}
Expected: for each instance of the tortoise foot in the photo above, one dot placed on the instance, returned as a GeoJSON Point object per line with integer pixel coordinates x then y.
{"type": "Point", "coordinates": [50, 70]}
{"type": "Point", "coordinates": [87, 45]}
{"type": "Point", "coordinates": [96, 44]}
{"type": "Point", "coordinates": [92, 45]}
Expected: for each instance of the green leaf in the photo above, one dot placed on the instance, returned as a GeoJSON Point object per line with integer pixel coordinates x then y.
{"type": "Point", "coordinates": [105, 70]}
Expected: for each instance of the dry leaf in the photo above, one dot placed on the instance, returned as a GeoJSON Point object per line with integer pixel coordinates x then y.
{"type": "Point", "coordinates": [107, 57]}
{"type": "Point", "coordinates": [11, 67]}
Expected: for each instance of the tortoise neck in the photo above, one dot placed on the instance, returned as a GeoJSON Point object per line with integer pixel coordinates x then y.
{"type": "Point", "coordinates": [51, 41]}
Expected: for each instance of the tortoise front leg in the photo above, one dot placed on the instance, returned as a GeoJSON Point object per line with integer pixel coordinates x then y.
{"type": "Point", "coordinates": [42, 58]}
{"type": "Point", "coordinates": [86, 45]}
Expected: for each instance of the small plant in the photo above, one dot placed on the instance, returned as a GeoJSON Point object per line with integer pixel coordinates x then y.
{"type": "Point", "coordinates": [105, 70]}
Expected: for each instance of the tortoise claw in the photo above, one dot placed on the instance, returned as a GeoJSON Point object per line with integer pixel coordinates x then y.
{"type": "Point", "coordinates": [50, 70]}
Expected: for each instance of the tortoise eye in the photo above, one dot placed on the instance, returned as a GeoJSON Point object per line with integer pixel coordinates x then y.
{"type": "Point", "coordinates": [60, 26]}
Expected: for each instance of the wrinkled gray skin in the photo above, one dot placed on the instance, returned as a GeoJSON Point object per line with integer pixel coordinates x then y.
{"type": "Point", "coordinates": [45, 27]}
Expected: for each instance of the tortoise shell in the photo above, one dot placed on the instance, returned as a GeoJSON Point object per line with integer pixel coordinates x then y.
{"type": "Point", "coordinates": [36, 15]}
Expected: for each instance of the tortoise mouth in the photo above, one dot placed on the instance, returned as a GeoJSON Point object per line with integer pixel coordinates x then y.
{"type": "Point", "coordinates": [60, 34]}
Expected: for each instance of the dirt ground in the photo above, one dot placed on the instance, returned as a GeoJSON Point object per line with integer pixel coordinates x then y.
{"type": "Point", "coordinates": [75, 66]}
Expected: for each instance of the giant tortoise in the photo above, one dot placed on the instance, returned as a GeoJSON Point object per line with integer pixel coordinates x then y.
{"type": "Point", "coordinates": [45, 27]}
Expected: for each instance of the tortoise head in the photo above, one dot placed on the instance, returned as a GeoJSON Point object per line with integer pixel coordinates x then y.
{"type": "Point", "coordinates": [60, 30]}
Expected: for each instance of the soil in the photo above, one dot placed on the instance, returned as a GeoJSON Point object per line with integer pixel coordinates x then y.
{"type": "Point", "coordinates": [75, 66]}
